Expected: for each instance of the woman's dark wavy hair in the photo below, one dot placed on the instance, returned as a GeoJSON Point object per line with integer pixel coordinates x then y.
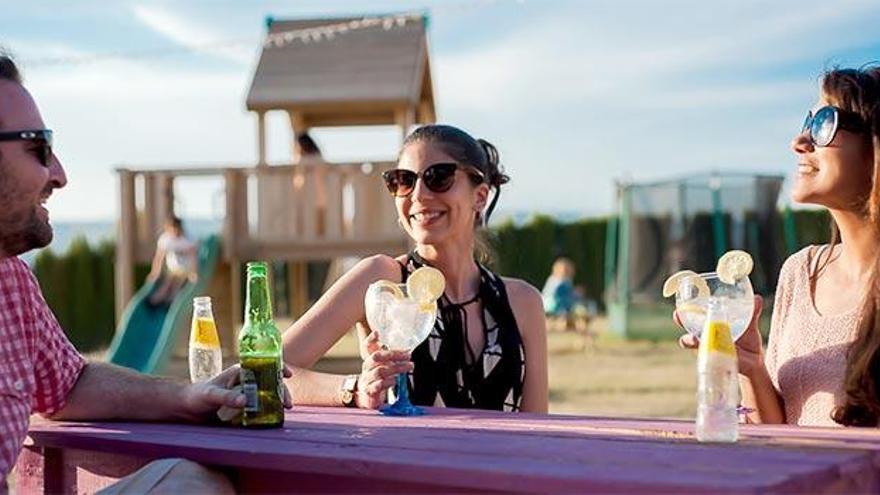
{"type": "Point", "coordinates": [858, 90]}
{"type": "Point", "coordinates": [466, 150]}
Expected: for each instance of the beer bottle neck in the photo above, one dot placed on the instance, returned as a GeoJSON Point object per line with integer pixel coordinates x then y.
{"type": "Point", "coordinates": [258, 303]}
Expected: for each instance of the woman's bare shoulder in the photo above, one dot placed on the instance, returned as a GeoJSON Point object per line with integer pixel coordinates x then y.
{"type": "Point", "coordinates": [379, 267]}
{"type": "Point", "coordinates": [523, 295]}
{"type": "Point", "coordinates": [528, 307]}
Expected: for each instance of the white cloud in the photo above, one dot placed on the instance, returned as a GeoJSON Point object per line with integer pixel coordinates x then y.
{"type": "Point", "coordinates": [189, 33]}
{"type": "Point", "coordinates": [571, 60]}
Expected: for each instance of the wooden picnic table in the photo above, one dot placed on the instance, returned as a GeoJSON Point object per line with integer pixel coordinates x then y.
{"type": "Point", "coordinates": [348, 450]}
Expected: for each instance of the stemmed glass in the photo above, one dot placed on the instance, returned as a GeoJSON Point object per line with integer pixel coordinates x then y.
{"type": "Point", "coordinates": [401, 324]}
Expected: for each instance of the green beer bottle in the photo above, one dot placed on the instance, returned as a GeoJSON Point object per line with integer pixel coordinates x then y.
{"type": "Point", "coordinates": [259, 350]}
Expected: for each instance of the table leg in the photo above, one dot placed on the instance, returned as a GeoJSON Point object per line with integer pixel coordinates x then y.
{"type": "Point", "coordinates": [72, 471]}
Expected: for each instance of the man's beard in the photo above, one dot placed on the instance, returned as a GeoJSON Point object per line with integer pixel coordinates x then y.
{"type": "Point", "coordinates": [20, 235]}
{"type": "Point", "coordinates": [22, 230]}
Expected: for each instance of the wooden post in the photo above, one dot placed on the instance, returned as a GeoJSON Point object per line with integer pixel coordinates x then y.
{"type": "Point", "coordinates": [151, 223]}
{"type": "Point", "coordinates": [386, 219]}
{"type": "Point", "coordinates": [405, 118]}
{"type": "Point", "coordinates": [235, 230]}
{"type": "Point", "coordinates": [298, 282]}
{"type": "Point", "coordinates": [125, 244]}
{"type": "Point", "coordinates": [166, 196]}
{"type": "Point", "coordinates": [333, 227]}
{"type": "Point", "coordinates": [261, 138]}
{"type": "Point", "coordinates": [310, 208]}
{"type": "Point", "coordinates": [363, 209]}
{"type": "Point", "coordinates": [426, 112]}
{"type": "Point", "coordinates": [163, 203]}
{"type": "Point", "coordinates": [235, 225]}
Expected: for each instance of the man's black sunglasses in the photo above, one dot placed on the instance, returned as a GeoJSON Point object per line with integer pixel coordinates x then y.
{"type": "Point", "coordinates": [43, 137]}
{"type": "Point", "coordinates": [823, 125]}
{"type": "Point", "coordinates": [438, 178]}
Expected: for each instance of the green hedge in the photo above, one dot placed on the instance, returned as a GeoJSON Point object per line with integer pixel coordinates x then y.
{"type": "Point", "coordinates": [79, 288]}
{"type": "Point", "coordinates": [78, 285]}
{"type": "Point", "coordinates": [811, 227]}
{"type": "Point", "coordinates": [528, 251]}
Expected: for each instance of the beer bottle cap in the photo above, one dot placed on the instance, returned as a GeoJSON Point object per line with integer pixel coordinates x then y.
{"type": "Point", "coordinates": [256, 268]}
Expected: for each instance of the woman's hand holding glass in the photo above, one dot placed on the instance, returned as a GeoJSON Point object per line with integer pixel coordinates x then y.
{"type": "Point", "coordinates": [379, 371]}
{"type": "Point", "coordinates": [749, 347]}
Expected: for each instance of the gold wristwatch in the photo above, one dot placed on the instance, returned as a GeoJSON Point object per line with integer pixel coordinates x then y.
{"type": "Point", "coordinates": [348, 391]}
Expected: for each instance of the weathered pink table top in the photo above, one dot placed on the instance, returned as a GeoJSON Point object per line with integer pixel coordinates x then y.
{"type": "Point", "coordinates": [509, 452]}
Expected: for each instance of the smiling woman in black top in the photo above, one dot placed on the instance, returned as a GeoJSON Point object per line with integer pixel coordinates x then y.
{"type": "Point", "coordinates": [488, 348]}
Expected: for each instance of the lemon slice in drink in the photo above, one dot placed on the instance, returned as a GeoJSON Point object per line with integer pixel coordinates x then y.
{"type": "Point", "coordinates": [733, 266]}
{"type": "Point", "coordinates": [670, 287]}
{"type": "Point", "coordinates": [691, 308]}
{"type": "Point", "coordinates": [388, 287]}
{"type": "Point", "coordinates": [425, 285]}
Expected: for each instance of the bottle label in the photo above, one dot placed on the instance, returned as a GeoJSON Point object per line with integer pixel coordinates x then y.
{"type": "Point", "coordinates": [718, 339]}
{"type": "Point", "coordinates": [204, 332]}
{"type": "Point", "coordinates": [252, 397]}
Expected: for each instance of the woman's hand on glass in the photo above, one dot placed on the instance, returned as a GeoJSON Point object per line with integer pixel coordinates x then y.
{"type": "Point", "coordinates": [379, 371]}
{"type": "Point", "coordinates": [368, 341]}
{"type": "Point", "coordinates": [749, 347]}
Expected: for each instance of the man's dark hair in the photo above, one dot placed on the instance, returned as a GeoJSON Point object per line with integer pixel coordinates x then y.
{"type": "Point", "coordinates": [8, 69]}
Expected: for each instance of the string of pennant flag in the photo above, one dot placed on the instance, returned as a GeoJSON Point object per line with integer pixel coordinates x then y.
{"type": "Point", "coordinates": [314, 34]}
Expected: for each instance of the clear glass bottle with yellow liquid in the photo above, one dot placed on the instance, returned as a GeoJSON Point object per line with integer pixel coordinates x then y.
{"type": "Point", "coordinates": [717, 379]}
{"type": "Point", "coordinates": [205, 356]}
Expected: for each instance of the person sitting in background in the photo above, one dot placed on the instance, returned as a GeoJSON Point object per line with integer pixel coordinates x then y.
{"type": "Point", "coordinates": [822, 362]}
{"type": "Point", "coordinates": [40, 370]}
{"type": "Point", "coordinates": [178, 254]}
{"type": "Point", "coordinates": [559, 292]}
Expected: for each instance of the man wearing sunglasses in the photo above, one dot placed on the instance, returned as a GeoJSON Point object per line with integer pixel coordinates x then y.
{"type": "Point", "coordinates": [40, 371]}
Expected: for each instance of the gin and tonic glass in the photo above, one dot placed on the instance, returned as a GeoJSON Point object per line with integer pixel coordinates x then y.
{"type": "Point", "coordinates": [401, 324]}
{"type": "Point", "coordinates": [736, 301]}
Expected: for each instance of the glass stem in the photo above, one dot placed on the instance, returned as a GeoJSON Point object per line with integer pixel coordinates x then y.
{"type": "Point", "coordinates": [402, 391]}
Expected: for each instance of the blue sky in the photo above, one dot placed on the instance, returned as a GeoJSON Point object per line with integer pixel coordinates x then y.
{"type": "Point", "coordinates": [575, 94]}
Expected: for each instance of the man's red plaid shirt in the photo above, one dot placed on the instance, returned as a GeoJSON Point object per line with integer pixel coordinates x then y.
{"type": "Point", "coordinates": [38, 365]}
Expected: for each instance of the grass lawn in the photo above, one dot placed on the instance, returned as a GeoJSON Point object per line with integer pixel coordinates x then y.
{"type": "Point", "coordinates": [614, 377]}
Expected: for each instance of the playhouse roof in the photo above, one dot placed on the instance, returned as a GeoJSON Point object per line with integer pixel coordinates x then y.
{"type": "Point", "coordinates": [357, 77]}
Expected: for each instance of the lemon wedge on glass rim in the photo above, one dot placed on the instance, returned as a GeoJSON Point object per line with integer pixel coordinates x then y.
{"type": "Point", "coordinates": [734, 265]}
{"type": "Point", "coordinates": [425, 285]}
{"type": "Point", "coordinates": [672, 284]}
{"type": "Point", "coordinates": [670, 287]}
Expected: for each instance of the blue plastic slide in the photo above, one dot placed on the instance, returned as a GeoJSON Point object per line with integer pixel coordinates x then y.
{"type": "Point", "coordinates": [147, 333]}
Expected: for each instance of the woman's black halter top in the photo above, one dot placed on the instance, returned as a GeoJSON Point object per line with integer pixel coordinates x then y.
{"type": "Point", "coordinates": [492, 379]}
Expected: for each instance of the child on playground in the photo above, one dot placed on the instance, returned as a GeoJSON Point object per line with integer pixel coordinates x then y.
{"type": "Point", "coordinates": [181, 265]}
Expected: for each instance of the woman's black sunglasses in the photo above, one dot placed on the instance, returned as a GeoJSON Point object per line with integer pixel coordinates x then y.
{"type": "Point", "coordinates": [42, 137]}
{"type": "Point", "coordinates": [438, 177]}
{"type": "Point", "coordinates": [823, 125]}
